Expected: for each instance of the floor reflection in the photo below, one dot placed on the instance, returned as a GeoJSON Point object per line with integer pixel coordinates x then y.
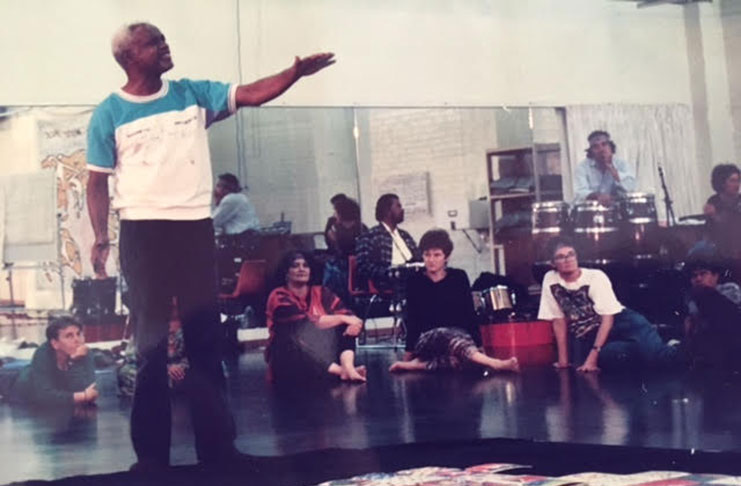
{"type": "Point", "coordinates": [664, 410]}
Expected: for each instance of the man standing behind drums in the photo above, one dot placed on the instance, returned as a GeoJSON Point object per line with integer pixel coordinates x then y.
{"type": "Point", "coordinates": [602, 176]}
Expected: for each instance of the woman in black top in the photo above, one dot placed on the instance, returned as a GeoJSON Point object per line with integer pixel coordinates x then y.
{"type": "Point", "coordinates": [441, 322]}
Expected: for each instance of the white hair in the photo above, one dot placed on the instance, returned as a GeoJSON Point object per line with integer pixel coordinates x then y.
{"type": "Point", "coordinates": [122, 40]}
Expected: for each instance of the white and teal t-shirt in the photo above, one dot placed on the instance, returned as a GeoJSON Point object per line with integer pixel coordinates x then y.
{"type": "Point", "coordinates": [156, 148]}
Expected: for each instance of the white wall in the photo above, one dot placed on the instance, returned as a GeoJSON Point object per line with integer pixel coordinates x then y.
{"type": "Point", "coordinates": [295, 160]}
{"type": "Point", "coordinates": [447, 144]}
{"type": "Point", "coordinates": [413, 52]}
{"type": "Point", "coordinates": [399, 53]}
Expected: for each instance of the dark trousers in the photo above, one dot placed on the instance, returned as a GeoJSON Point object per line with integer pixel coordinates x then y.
{"type": "Point", "coordinates": [161, 260]}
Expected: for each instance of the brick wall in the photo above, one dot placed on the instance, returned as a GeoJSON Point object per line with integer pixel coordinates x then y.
{"type": "Point", "coordinates": [447, 143]}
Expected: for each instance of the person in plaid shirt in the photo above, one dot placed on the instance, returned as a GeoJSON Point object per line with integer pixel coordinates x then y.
{"type": "Point", "coordinates": [385, 245]}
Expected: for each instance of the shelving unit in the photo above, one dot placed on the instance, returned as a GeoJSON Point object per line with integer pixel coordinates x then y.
{"type": "Point", "coordinates": [512, 251]}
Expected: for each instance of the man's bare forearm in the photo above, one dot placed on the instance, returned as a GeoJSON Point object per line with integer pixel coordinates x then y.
{"type": "Point", "coordinates": [560, 332]}
{"type": "Point", "coordinates": [98, 204]}
{"type": "Point", "coordinates": [604, 331]}
{"type": "Point", "coordinates": [266, 89]}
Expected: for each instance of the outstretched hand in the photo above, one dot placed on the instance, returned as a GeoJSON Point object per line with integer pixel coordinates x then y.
{"type": "Point", "coordinates": [306, 66]}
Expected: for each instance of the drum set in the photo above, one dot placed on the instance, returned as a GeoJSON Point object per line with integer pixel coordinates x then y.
{"type": "Point", "coordinates": [625, 231]}
{"type": "Point", "coordinates": [494, 304]}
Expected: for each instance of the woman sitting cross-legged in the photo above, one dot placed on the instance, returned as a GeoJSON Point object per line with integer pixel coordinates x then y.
{"type": "Point", "coordinates": [441, 323]}
{"type": "Point", "coordinates": [312, 333]}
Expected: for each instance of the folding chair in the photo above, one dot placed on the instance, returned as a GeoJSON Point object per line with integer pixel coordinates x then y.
{"type": "Point", "coordinates": [370, 302]}
{"type": "Point", "coordinates": [250, 291]}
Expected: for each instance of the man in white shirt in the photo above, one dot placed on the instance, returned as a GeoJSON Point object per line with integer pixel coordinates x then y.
{"type": "Point", "coordinates": [588, 318]}
{"type": "Point", "coordinates": [234, 213]}
{"type": "Point", "coordinates": [385, 245]}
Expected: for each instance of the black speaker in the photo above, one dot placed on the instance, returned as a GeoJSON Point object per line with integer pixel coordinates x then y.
{"type": "Point", "coordinates": [93, 299]}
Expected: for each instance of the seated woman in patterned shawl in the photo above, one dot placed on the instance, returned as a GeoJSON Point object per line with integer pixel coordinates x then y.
{"type": "Point", "coordinates": [442, 332]}
{"type": "Point", "coordinates": [312, 333]}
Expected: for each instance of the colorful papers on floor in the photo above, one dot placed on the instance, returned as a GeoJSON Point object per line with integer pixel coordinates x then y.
{"type": "Point", "coordinates": [493, 475]}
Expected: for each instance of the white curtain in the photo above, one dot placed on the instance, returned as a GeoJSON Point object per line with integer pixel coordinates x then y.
{"type": "Point", "coordinates": [648, 137]}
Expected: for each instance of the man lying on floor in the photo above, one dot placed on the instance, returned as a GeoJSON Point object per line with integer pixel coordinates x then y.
{"type": "Point", "coordinates": [62, 371]}
{"type": "Point", "coordinates": [591, 326]}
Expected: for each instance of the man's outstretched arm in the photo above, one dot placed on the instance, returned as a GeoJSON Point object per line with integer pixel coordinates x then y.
{"type": "Point", "coordinates": [266, 89]}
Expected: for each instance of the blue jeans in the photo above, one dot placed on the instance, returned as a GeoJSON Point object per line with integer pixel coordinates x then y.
{"type": "Point", "coordinates": [632, 342]}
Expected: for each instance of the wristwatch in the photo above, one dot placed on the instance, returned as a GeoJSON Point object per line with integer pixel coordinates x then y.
{"type": "Point", "coordinates": [597, 348]}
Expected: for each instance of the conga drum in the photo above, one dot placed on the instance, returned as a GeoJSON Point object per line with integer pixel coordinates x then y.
{"type": "Point", "coordinates": [550, 219]}
{"type": "Point", "coordinates": [640, 225]}
{"type": "Point", "coordinates": [596, 232]}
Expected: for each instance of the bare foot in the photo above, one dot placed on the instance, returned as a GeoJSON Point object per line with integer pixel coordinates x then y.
{"type": "Point", "coordinates": [507, 365]}
{"type": "Point", "coordinates": [362, 371]}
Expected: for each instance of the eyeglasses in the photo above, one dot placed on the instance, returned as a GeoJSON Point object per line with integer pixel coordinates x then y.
{"type": "Point", "coordinates": [564, 257]}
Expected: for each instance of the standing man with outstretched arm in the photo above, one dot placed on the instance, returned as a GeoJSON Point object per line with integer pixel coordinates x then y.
{"type": "Point", "coordinates": [150, 136]}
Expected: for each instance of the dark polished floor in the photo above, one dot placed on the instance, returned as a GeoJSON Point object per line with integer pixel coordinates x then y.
{"type": "Point", "coordinates": [680, 410]}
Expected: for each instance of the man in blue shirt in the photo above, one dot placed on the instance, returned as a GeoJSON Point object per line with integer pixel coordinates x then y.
{"type": "Point", "coordinates": [234, 213]}
{"type": "Point", "coordinates": [150, 136]}
{"type": "Point", "coordinates": [602, 176]}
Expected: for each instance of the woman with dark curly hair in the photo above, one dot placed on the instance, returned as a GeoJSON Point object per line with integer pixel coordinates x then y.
{"type": "Point", "coordinates": [341, 232]}
{"type": "Point", "coordinates": [723, 210]}
{"type": "Point", "coordinates": [441, 323]}
{"type": "Point", "coordinates": [312, 333]}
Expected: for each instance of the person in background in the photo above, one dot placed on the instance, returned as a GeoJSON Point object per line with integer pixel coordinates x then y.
{"type": "Point", "coordinates": [385, 244]}
{"type": "Point", "coordinates": [311, 332]}
{"type": "Point", "coordinates": [343, 234]}
{"type": "Point", "coordinates": [177, 361]}
{"type": "Point", "coordinates": [602, 176]}
{"type": "Point", "coordinates": [150, 136]}
{"type": "Point", "coordinates": [590, 325]}
{"type": "Point", "coordinates": [233, 213]}
{"type": "Point", "coordinates": [329, 237]}
{"type": "Point", "coordinates": [723, 211]}
{"type": "Point", "coordinates": [442, 332]}
{"type": "Point", "coordinates": [62, 371]}
{"type": "Point", "coordinates": [713, 321]}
